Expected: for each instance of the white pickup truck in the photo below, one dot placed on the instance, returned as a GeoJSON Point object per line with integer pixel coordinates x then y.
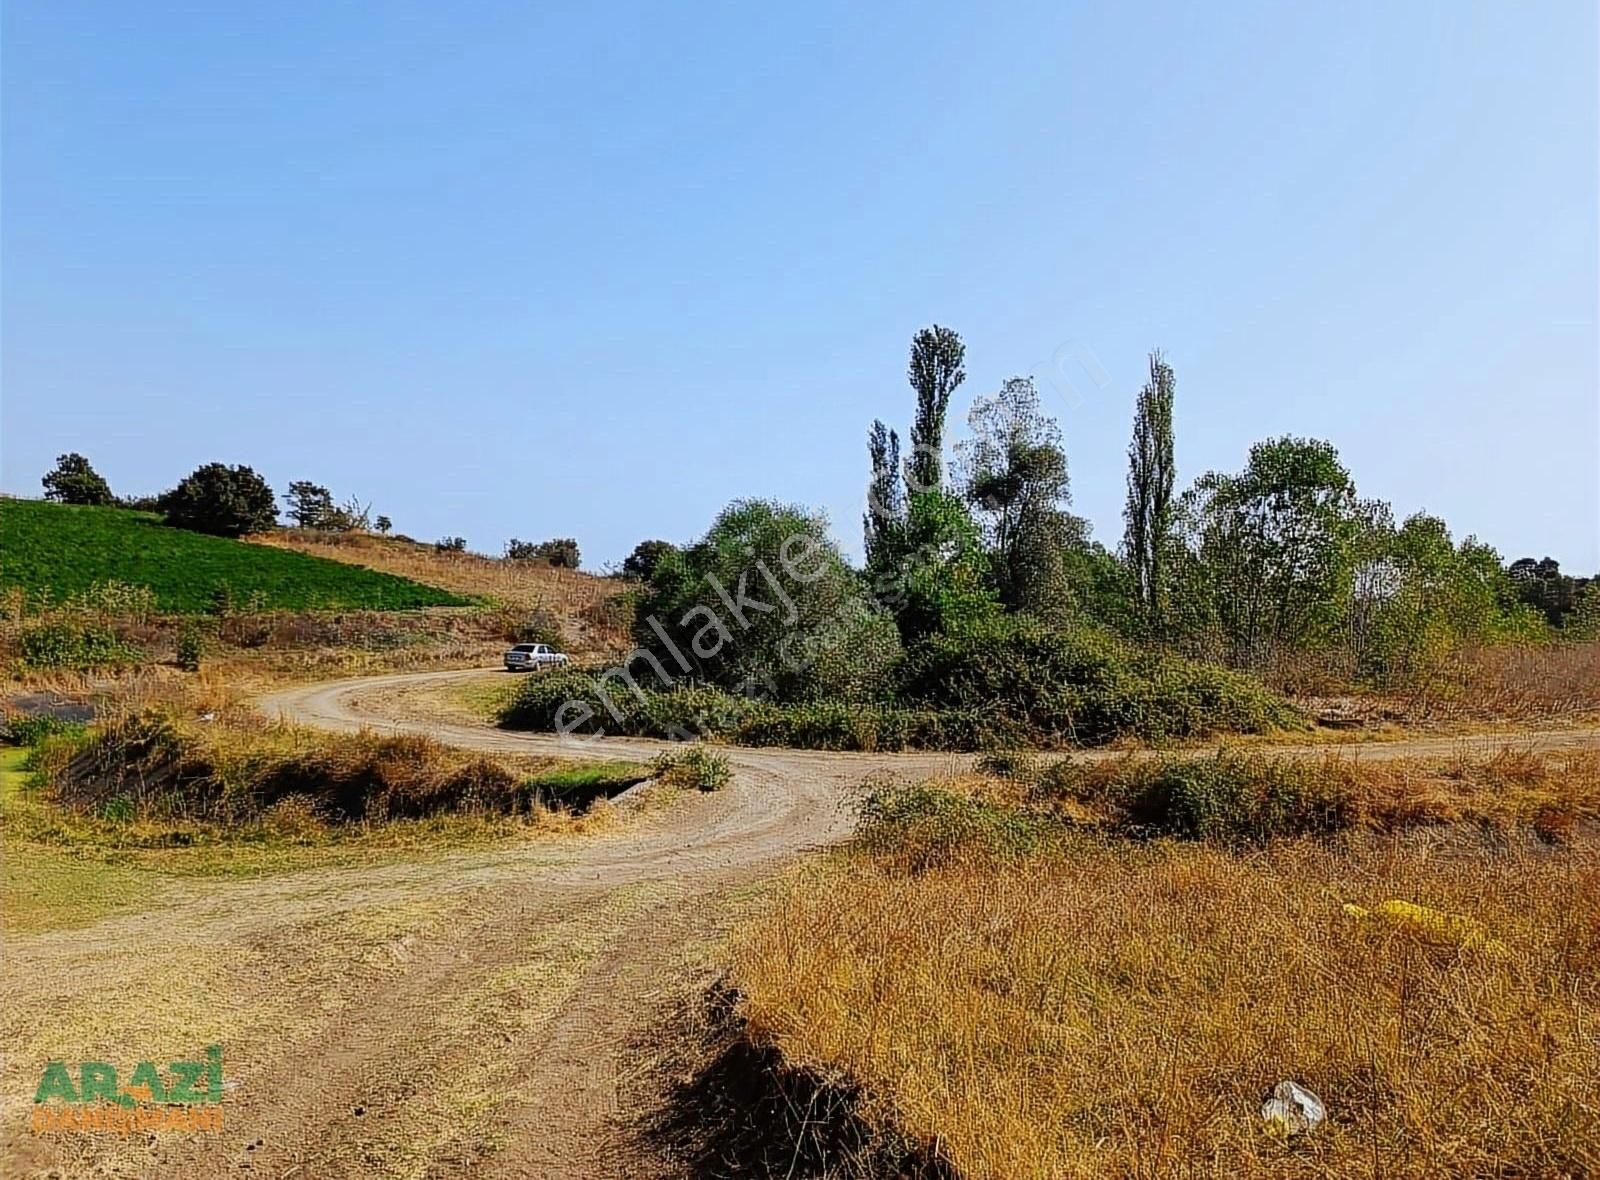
{"type": "Point", "coordinates": [529, 657]}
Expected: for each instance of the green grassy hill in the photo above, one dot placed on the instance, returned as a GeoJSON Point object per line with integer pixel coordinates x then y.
{"type": "Point", "coordinates": [53, 551]}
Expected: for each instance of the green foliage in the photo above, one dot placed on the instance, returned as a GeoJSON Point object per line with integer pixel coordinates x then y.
{"type": "Point", "coordinates": [23, 730]}
{"type": "Point", "coordinates": [310, 504]}
{"type": "Point", "coordinates": [383, 524]}
{"type": "Point", "coordinates": [942, 582]}
{"type": "Point", "coordinates": [916, 828]}
{"type": "Point", "coordinates": [1270, 553]}
{"type": "Point", "coordinates": [451, 545]}
{"type": "Point", "coordinates": [1584, 621]}
{"type": "Point", "coordinates": [935, 371]}
{"type": "Point", "coordinates": [764, 603]}
{"type": "Point", "coordinates": [191, 647]}
{"type": "Point", "coordinates": [536, 624]}
{"type": "Point", "coordinates": [1078, 687]}
{"type": "Point", "coordinates": [644, 559]}
{"type": "Point", "coordinates": [74, 645]}
{"type": "Point", "coordinates": [74, 481]}
{"type": "Point", "coordinates": [222, 501]}
{"type": "Point", "coordinates": [695, 767]}
{"type": "Point", "coordinates": [574, 703]}
{"type": "Point", "coordinates": [1226, 797]}
{"type": "Point", "coordinates": [1419, 597]}
{"type": "Point", "coordinates": [1101, 589]}
{"type": "Point", "coordinates": [1016, 477]}
{"type": "Point", "coordinates": [883, 523]}
{"type": "Point", "coordinates": [561, 552]}
{"type": "Point", "coordinates": [1148, 514]}
{"type": "Point", "coordinates": [54, 552]}
{"type": "Point", "coordinates": [1542, 586]}
{"type": "Point", "coordinates": [1029, 687]}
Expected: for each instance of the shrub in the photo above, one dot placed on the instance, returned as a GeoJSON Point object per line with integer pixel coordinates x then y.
{"type": "Point", "coordinates": [560, 552]}
{"type": "Point", "coordinates": [691, 712]}
{"type": "Point", "coordinates": [76, 646]}
{"type": "Point", "coordinates": [813, 636]}
{"type": "Point", "coordinates": [191, 647]}
{"type": "Point", "coordinates": [536, 624]}
{"type": "Point", "coordinates": [695, 767]}
{"type": "Point", "coordinates": [451, 545]}
{"type": "Point", "coordinates": [1082, 687]}
{"type": "Point", "coordinates": [646, 555]}
{"type": "Point", "coordinates": [229, 775]}
{"type": "Point", "coordinates": [1014, 765]}
{"type": "Point", "coordinates": [1227, 797]}
{"type": "Point", "coordinates": [73, 481]}
{"type": "Point", "coordinates": [23, 730]}
{"type": "Point", "coordinates": [223, 501]}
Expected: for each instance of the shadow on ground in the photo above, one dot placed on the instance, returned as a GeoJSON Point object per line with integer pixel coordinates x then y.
{"type": "Point", "coordinates": [735, 1110]}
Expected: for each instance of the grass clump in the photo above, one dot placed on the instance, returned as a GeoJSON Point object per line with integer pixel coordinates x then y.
{"type": "Point", "coordinates": [56, 551]}
{"type": "Point", "coordinates": [916, 828]}
{"type": "Point", "coordinates": [694, 768]}
{"type": "Point", "coordinates": [150, 767]}
{"type": "Point", "coordinates": [21, 729]}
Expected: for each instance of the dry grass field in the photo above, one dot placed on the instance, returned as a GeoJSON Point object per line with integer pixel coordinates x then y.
{"type": "Point", "coordinates": [1091, 1005]}
{"type": "Point", "coordinates": [585, 604]}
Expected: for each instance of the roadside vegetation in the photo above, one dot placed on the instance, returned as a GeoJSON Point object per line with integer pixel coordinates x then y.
{"type": "Point", "coordinates": [1005, 983]}
{"type": "Point", "coordinates": [986, 616]}
{"type": "Point", "coordinates": [95, 817]}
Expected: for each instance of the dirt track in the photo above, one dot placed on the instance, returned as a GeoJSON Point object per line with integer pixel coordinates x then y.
{"type": "Point", "coordinates": [480, 1013]}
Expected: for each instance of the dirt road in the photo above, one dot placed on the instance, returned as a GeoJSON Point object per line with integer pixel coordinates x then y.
{"type": "Point", "coordinates": [477, 1013]}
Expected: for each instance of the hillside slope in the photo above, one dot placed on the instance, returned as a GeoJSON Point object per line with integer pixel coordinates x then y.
{"type": "Point", "coordinates": [53, 551]}
{"type": "Point", "coordinates": [589, 608]}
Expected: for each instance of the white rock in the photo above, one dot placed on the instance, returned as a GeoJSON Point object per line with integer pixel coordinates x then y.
{"type": "Point", "coordinates": [1294, 1109]}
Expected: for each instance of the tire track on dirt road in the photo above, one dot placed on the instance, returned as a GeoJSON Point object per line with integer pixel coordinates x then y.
{"type": "Point", "coordinates": [474, 1013]}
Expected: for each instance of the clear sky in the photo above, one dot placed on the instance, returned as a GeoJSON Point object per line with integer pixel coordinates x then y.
{"type": "Point", "coordinates": [594, 270]}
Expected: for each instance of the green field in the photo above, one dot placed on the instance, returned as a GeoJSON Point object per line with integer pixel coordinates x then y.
{"type": "Point", "coordinates": [53, 551]}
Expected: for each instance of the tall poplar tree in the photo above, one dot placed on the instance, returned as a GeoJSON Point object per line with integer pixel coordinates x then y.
{"type": "Point", "coordinates": [935, 371]}
{"type": "Point", "coordinates": [1150, 477]}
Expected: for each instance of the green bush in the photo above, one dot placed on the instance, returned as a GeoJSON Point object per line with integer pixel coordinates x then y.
{"type": "Point", "coordinates": [1081, 687]}
{"type": "Point", "coordinates": [22, 730]}
{"type": "Point", "coordinates": [191, 647]}
{"type": "Point", "coordinates": [695, 767]}
{"type": "Point", "coordinates": [1227, 797]}
{"type": "Point", "coordinates": [223, 501]}
{"type": "Point", "coordinates": [77, 646]}
{"type": "Point", "coordinates": [74, 481]}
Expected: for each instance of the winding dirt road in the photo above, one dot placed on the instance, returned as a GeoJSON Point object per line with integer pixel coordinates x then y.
{"type": "Point", "coordinates": [479, 1013]}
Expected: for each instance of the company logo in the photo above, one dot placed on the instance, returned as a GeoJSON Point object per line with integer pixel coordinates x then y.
{"type": "Point", "coordinates": [186, 1096]}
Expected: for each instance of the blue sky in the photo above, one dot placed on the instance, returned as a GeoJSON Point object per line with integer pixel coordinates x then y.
{"type": "Point", "coordinates": [515, 270]}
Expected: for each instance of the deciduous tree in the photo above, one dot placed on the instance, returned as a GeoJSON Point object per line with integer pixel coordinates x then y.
{"type": "Point", "coordinates": [74, 481]}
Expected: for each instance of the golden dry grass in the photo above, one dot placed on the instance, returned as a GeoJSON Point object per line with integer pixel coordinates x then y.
{"type": "Point", "coordinates": [1112, 1008]}
{"type": "Point", "coordinates": [585, 603]}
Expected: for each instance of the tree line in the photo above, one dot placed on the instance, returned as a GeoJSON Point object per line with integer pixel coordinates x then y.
{"type": "Point", "coordinates": [235, 501]}
{"type": "Point", "coordinates": [1276, 568]}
